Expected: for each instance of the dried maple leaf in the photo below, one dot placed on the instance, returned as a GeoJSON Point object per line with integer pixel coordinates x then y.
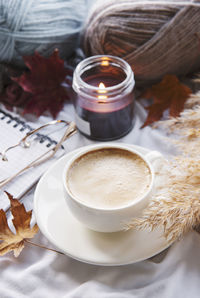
{"type": "Point", "coordinates": [44, 81]}
{"type": "Point", "coordinates": [169, 93]}
{"type": "Point", "coordinates": [14, 95]}
{"type": "Point", "coordinates": [21, 221]}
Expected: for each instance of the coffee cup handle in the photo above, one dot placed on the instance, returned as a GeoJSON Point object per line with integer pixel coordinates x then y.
{"type": "Point", "coordinates": [153, 156]}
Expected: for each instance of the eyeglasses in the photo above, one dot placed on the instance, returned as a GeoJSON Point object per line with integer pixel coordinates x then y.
{"type": "Point", "coordinates": [26, 141]}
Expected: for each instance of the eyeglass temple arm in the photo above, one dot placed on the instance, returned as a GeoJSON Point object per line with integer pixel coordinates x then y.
{"type": "Point", "coordinates": [23, 140]}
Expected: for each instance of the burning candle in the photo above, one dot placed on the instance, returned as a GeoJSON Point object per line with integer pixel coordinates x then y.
{"type": "Point", "coordinates": [104, 97]}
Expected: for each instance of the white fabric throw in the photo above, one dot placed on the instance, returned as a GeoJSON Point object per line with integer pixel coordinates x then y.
{"type": "Point", "coordinates": [38, 273]}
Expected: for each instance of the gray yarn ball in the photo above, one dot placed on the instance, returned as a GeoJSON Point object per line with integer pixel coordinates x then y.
{"type": "Point", "coordinates": [27, 26]}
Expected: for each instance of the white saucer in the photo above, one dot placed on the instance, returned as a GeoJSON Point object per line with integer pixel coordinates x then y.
{"type": "Point", "coordinates": [71, 237]}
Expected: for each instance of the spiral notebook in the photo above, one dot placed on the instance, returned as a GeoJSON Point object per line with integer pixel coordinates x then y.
{"type": "Point", "coordinates": [12, 129]}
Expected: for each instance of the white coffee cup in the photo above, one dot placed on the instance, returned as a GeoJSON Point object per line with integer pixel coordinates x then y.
{"type": "Point", "coordinates": [112, 219]}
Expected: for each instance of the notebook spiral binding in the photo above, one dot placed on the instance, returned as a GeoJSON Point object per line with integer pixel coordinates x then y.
{"type": "Point", "coordinates": [23, 126]}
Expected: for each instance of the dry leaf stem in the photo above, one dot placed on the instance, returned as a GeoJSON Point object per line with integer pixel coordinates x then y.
{"type": "Point", "coordinates": [44, 247]}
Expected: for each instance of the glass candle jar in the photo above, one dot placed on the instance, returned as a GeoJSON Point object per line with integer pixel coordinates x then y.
{"type": "Point", "coordinates": [104, 97]}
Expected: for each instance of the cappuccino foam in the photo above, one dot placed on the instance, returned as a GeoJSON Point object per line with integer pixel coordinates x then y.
{"type": "Point", "coordinates": [108, 178]}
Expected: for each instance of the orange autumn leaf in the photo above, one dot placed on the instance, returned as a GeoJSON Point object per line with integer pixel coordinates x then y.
{"type": "Point", "coordinates": [21, 221]}
{"type": "Point", "coordinates": [170, 94]}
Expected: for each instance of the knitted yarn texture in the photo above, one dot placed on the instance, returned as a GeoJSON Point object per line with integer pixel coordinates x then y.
{"type": "Point", "coordinates": [39, 25]}
{"type": "Point", "coordinates": [154, 37]}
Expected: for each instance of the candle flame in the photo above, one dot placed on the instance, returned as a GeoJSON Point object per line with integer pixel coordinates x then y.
{"type": "Point", "coordinates": [102, 90]}
{"type": "Point", "coordinates": [105, 63]}
{"type": "Point", "coordinates": [101, 86]}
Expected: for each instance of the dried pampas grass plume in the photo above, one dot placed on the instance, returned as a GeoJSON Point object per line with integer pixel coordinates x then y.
{"type": "Point", "coordinates": [176, 205]}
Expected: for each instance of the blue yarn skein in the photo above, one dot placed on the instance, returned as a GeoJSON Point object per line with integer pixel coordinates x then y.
{"type": "Point", "coordinates": [27, 26]}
